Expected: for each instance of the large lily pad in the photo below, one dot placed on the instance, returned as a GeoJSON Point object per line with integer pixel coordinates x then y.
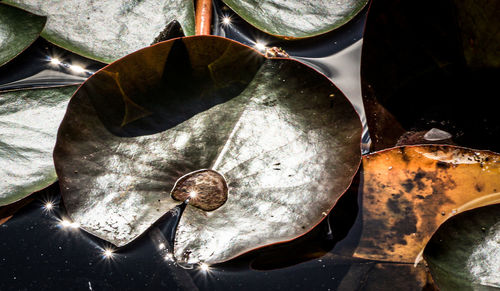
{"type": "Point", "coordinates": [296, 18]}
{"type": "Point", "coordinates": [108, 30]}
{"type": "Point", "coordinates": [465, 252]}
{"type": "Point", "coordinates": [18, 30]}
{"type": "Point", "coordinates": [29, 120]}
{"type": "Point", "coordinates": [285, 139]}
{"type": "Point", "coordinates": [408, 192]}
{"type": "Point", "coordinates": [415, 68]}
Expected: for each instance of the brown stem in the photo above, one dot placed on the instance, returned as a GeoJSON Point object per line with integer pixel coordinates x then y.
{"type": "Point", "coordinates": [203, 17]}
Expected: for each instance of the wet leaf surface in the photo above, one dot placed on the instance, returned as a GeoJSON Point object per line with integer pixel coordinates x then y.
{"type": "Point", "coordinates": [108, 30]}
{"type": "Point", "coordinates": [437, 71]}
{"type": "Point", "coordinates": [18, 30]}
{"type": "Point", "coordinates": [285, 139]}
{"type": "Point", "coordinates": [465, 252]}
{"type": "Point", "coordinates": [296, 19]}
{"type": "Point", "coordinates": [29, 120]}
{"type": "Point", "coordinates": [408, 192]}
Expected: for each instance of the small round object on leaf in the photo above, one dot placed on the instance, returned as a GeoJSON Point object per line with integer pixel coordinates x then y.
{"type": "Point", "coordinates": [205, 189]}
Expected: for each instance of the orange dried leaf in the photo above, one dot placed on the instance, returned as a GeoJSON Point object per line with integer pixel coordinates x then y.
{"type": "Point", "coordinates": [408, 192]}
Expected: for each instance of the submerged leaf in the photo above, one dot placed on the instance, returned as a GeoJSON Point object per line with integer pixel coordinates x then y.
{"type": "Point", "coordinates": [465, 252]}
{"type": "Point", "coordinates": [296, 18]}
{"type": "Point", "coordinates": [286, 150]}
{"type": "Point", "coordinates": [408, 192]}
{"type": "Point", "coordinates": [28, 125]}
{"type": "Point", "coordinates": [18, 30]}
{"type": "Point", "coordinates": [108, 30]}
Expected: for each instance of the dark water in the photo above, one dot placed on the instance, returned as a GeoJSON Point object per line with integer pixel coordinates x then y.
{"type": "Point", "coordinates": [37, 253]}
{"type": "Point", "coordinates": [32, 68]}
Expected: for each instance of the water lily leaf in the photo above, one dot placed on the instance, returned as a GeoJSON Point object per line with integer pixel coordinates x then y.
{"type": "Point", "coordinates": [414, 69]}
{"type": "Point", "coordinates": [281, 136]}
{"type": "Point", "coordinates": [408, 192]}
{"type": "Point", "coordinates": [465, 252]}
{"type": "Point", "coordinates": [296, 19]}
{"type": "Point", "coordinates": [28, 125]}
{"type": "Point", "coordinates": [108, 30]}
{"type": "Point", "coordinates": [18, 30]}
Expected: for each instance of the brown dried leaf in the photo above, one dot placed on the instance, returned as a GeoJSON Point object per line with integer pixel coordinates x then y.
{"type": "Point", "coordinates": [408, 192]}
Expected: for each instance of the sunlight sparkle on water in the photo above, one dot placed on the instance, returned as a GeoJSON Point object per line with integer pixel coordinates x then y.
{"type": "Point", "coordinates": [107, 253]}
{"type": "Point", "coordinates": [76, 69]}
{"type": "Point", "coordinates": [48, 205]}
{"type": "Point", "coordinates": [55, 61]}
{"type": "Point", "coordinates": [260, 46]}
{"type": "Point", "coordinates": [204, 267]}
{"type": "Point", "coordinates": [68, 224]}
{"type": "Point", "coordinates": [169, 257]}
{"type": "Point", "coordinates": [226, 20]}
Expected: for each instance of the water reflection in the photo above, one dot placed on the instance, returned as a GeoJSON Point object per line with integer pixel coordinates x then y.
{"type": "Point", "coordinates": [43, 65]}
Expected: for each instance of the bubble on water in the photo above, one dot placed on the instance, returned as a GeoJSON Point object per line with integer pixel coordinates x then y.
{"type": "Point", "coordinates": [436, 134]}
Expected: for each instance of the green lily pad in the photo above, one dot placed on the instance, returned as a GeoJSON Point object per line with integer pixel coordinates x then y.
{"type": "Point", "coordinates": [464, 254]}
{"type": "Point", "coordinates": [296, 18]}
{"type": "Point", "coordinates": [108, 30]}
{"type": "Point", "coordinates": [29, 120]}
{"type": "Point", "coordinates": [281, 136]}
{"type": "Point", "coordinates": [18, 30]}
